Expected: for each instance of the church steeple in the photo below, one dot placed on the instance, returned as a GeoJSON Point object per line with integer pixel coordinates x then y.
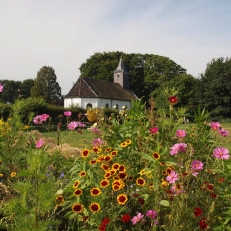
{"type": "Point", "coordinates": [121, 75]}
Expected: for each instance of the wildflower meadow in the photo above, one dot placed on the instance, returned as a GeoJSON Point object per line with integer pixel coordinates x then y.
{"type": "Point", "coordinates": [141, 171]}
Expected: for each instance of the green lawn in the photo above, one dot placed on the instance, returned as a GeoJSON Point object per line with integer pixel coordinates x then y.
{"type": "Point", "coordinates": [75, 139]}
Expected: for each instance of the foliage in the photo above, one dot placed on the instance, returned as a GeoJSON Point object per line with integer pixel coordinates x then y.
{"type": "Point", "coordinates": [129, 175]}
{"type": "Point", "coordinates": [215, 88]}
{"type": "Point", "coordinates": [46, 85]}
{"type": "Point", "coordinates": [147, 72]}
{"type": "Point", "coordinates": [15, 89]}
{"type": "Point", "coordinates": [141, 172]}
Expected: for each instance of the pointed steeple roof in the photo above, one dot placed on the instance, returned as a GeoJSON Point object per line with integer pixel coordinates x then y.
{"type": "Point", "coordinates": [121, 66]}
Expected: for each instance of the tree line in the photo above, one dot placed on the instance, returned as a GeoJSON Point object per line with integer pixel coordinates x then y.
{"type": "Point", "coordinates": [150, 75]}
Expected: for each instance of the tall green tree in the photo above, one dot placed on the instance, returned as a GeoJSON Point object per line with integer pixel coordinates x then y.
{"type": "Point", "coordinates": [147, 71]}
{"type": "Point", "coordinates": [26, 88]}
{"type": "Point", "coordinates": [46, 85]}
{"type": "Point", "coordinates": [11, 90]}
{"type": "Point", "coordinates": [216, 87]}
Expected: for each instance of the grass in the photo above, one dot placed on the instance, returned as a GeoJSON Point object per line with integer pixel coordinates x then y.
{"type": "Point", "coordinates": [75, 139]}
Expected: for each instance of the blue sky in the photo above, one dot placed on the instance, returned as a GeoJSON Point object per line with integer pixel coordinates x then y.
{"type": "Point", "coordinates": [64, 33]}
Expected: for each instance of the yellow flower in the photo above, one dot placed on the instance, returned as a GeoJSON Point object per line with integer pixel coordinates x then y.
{"type": "Point", "coordinates": [123, 145]}
{"type": "Point", "coordinates": [95, 191]}
{"type": "Point", "coordinates": [77, 208]}
{"type": "Point", "coordinates": [13, 174]}
{"type": "Point", "coordinates": [1, 175]}
{"type": "Point", "coordinates": [59, 200]}
{"type": "Point", "coordinates": [122, 199]}
{"type": "Point", "coordinates": [95, 207]}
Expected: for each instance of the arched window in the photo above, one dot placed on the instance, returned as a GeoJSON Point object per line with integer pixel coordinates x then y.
{"type": "Point", "coordinates": [106, 106]}
{"type": "Point", "coordinates": [89, 106]}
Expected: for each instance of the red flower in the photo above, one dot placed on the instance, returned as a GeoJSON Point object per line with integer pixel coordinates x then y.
{"type": "Point", "coordinates": [197, 212]}
{"type": "Point", "coordinates": [126, 218]}
{"type": "Point", "coordinates": [202, 223]}
{"type": "Point", "coordinates": [213, 195]}
{"type": "Point", "coordinates": [172, 99]}
{"type": "Point", "coordinates": [104, 224]}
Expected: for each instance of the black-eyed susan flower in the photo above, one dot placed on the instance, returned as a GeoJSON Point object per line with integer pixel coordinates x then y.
{"type": "Point", "coordinates": [95, 191]}
{"type": "Point", "coordinates": [164, 184]}
{"type": "Point", "coordinates": [104, 183]}
{"type": "Point", "coordinates": [78, 192]}
{"type": "Point", "coordinates": [76, 184]}
{"type": "Point", "coordinates": [114, 153]}
{"type": "Point", "coordinates": [122, 175]}
{"type": "Point", "coordinates": [96, 149]}
{"type": "Point", "coordinates": [164, 172]}
{"type": "Point", "coordinates": [115, 187]}
{"type": "Point", "coordinates": [123, 144]}
{"type": "Point", "coordinates": [151, 185]}
{"type": "Point", "coordinates": [107, 158]}
{"type": "Point", "coordinates": [107, 175]}
{"type": "Point", "coordinates": [140, 181]}
{"type": "Point", "coordinates": [156, 155]}
{"type": "Point", "coordinates": [128, 141]}
{"type": "Point", "coordinates": [13, 174]}
{"type": "Point", "coordinates": [100, 158]}
{"type": "Point", "coordinates": [142, 172]}
{"type": "Point", "coordinates": [59, 200]}
{"type": "Point", "coordinates": [85, 153]}
{"type": "Point", "coordinates": [109, 149]}
{"type": "Point", "coordinates": [118, 183]}
{"type": "Point", "coordinates": [105, 167]}
{"type": "Point", "coordinates": [95, 207]}
{"type": "Point", "coordinates": [77, 208]}
{"type": "Point", "coordinates": [92, 162]}
{"type": "Point", "coordinates": [122, 168]}
{"type": "Point", "coordinates": [115, 166]}
{"type": "Point", "coordinates": [122, 199]}
{"type": "Point", "coordinates": [112, 172]}
{"type": "Point", "coordinates": [82, 173]}
{"type": "Point", "coordinates": [116, 178]}
{"type": "Point", "coordinates": [1, 175]}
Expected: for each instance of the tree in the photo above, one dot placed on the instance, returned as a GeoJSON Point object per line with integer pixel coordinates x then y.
{"type": "Point", "coordinates": [26, 88]}
{"type": "Point", "coordinates": [11, 90]}
{"type": "Point", "coordinates": [46, 85]}
{"type": "Point", "coordinates": [216, 87]}
{"type": "Point", "coordinates": [147, 71]}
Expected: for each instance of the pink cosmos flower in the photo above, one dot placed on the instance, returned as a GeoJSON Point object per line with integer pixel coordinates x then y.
{"type": "Point", "coordinates": [72, 125]}
{"type": "Point", "coordinates": [196, 165]}
{"type": "Point", "coordinates": [215, 125]}
{"type": "Point", "coordinates": [44, 117]}
{"type": "Point", "coordinates": [94, 130]}
{"type": "Point", "coordinates": [221, 153]}
{"type": "Point", "coordinates": [179, 147]}
{"type": "Point", "coordinates": [40, 143]}
{"type": "Point", "coordinates": [172, 177]}
{"type": "Point", "coordinates": [223, 132]}
{"type": "Point", "coordinates": [137, 218]}
{"type": "Point", "coordinates": [97, 142]}
{"type": "Point", "coordinates": [67, 113]}
{"type": "Point", "coordinates": [1, 87]}
{"type": "Point", "coordinates": [151, 213]}
{"type": "Point", "coordinates": [177, 189]}
{"type": "Point", "coordinates": [80, 124]}
{"type": "Point", "coordinates": [180, 133]}
{"type": "Point", "coordinates": [38, 119]}
{"type": "Point", "coordinates": [154, 130]}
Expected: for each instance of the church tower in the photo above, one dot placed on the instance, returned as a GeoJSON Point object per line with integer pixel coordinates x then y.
{"type": "Point", "coordinates": [121, 75]}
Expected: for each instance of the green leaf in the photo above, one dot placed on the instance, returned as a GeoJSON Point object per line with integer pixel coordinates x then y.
{"type": "Point", "coordinates": [165, 203]}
